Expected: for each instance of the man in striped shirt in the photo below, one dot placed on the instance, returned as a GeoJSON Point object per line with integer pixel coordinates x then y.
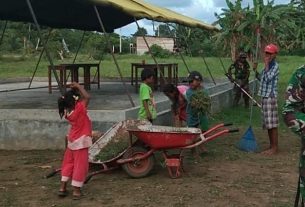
{"type": "Point", "coordinates": [268, 92]}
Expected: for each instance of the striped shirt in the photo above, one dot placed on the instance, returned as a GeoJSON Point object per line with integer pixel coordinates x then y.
{"type": "Point", "coordinates": [269, 79]}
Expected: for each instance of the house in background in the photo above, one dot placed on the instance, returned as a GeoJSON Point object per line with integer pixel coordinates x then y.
{"type": "Point", "coordinates": [164, 42]}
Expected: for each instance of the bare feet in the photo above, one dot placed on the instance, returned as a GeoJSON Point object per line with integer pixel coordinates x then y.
{"type": "Point", "coordinates": [270, 151]}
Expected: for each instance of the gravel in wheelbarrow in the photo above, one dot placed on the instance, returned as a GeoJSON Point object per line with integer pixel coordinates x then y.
{"type": "Point", "coordinates": [114, 142]}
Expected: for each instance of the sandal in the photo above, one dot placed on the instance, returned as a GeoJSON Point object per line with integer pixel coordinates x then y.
{"type": "Point", "coordinates": [62, 193]}
{"type": "Point", "coordinates": [77, 197]}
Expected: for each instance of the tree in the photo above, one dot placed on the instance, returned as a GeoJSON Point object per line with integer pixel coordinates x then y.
{"type": "Point", "coordinates": [141, 32]}
{"type": "Point", "coordinates": [240, 26]}
{"type": "Point", "coordinates": [297, 38]}
{"type": "Point", "coordinates": [229, 20]}
{"type": "Point", "coordinates": [164, 30]}
{"type": "Point", "coordinates": [270, 22]}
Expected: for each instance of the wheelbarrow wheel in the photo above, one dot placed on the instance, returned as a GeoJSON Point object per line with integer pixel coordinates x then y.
{"type": "Point", "coordinates": [138, 168]}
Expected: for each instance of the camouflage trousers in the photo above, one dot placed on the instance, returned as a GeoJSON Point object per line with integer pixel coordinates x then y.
{"type": "Point", "coordinates": [302, 168]}
{"type": "Point", "coordinates": [300, 118]}
{"type": "Point", "coordinates": [238, 92]}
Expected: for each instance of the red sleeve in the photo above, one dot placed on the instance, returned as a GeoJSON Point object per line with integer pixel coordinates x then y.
{"type": "Point", "coordinates": [80, 108]}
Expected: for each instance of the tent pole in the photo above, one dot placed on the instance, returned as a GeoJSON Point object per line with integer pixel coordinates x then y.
{"type": "Point", "coordinates": [79, 46]}
{"type": "Point", "coordinates": [39, 59]}
{"type": "Point", "coordinates": [149, 50]}
{"type": "Point", "coordinates": [208, 69]}
{"type": "Point", "coordinates": [180, 54]}
{"type": "Point", "coordinates": [112, 53]}
{"type": "Point", "coordinates": [60, 85]}
{"type": "Point", "coordinates": [99, 63]}
{"type": "Point", "coordinates": [184, 62]}
{"type": "Point", "coordinates": [3, 31]}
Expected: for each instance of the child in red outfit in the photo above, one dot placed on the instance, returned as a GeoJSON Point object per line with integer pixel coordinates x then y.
{"type": "Point", "coordinates": [177, 96]}
{"type": "Point", "coordinates": [73, 106]}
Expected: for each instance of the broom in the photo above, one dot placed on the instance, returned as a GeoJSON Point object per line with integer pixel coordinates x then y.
{"type": "Point", "coordinates": [248, 142]}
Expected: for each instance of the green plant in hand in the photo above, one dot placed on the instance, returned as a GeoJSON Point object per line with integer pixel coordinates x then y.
{"type": "Point", "coordinates": [201, 102]}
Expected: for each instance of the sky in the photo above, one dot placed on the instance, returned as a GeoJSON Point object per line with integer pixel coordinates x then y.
{"type": "Point", "coordinates": [198, 9]}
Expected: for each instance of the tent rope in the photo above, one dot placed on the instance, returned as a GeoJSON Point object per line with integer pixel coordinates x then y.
{"type": "Point", "coordinates": [149, 50]}
{"type": "Point", "coordinates": [3, 31]}
{"type": "Point", "coordinates": [39, 59]}
{"type": "Point", "coordinates": [60, 85]}
{"type": "Point", "coordinates": [112, 54]}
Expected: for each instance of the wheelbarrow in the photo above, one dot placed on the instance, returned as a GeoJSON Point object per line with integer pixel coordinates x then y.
{"type": "Point", "coordinates": [101, 166]}
{"type": "Point", "coordinates": [138, 161]}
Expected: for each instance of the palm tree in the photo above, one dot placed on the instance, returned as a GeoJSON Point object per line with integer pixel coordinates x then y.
{"type": "Point", "coordinates": [297, 39]}
{"type": "Point", "coordinates": [244, 26]}
{"type": "Point", "coordinates": [267, 22]}
{"type": "Point", "coordinates": [230, 20]}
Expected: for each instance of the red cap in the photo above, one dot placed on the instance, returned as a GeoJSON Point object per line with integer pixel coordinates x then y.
{"type": "Point", "coordinates": [271, 48]}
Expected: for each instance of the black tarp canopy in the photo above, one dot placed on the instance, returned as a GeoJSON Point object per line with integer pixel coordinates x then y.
{"type": "Point", "coordinates": [79, 14]}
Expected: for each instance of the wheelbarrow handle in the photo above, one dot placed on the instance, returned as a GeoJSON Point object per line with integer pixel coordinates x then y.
{"type": "Point", "coordinates": [233, 130]}
{"type": "Point", "coordinates": [228, 124]}
{"type": "Point", "coordinates": [54, 172]}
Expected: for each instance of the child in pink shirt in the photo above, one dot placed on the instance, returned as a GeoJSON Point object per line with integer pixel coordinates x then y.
{"type": "Point", "coordinates": [177, 95]}
{"type": "Point", "coordinates": [73, 106]}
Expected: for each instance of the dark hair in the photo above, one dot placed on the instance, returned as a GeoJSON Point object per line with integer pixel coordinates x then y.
{"type": "Point", "coordinates": [146, 73]}
{"type": "Point", "coordinates": [67, 101]}
{"type": "Point", "coordinates": [194, 75]}
{"type": "Point", "coordinates": [170, 88]}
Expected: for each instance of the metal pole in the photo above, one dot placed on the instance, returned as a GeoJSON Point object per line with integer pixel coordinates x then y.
{"type": "Point", "coordinates": [178, 51]}
{"type": "Point", "coordinates": [80, 44]}
{"type": "Point", "coordinates": [254, 82]}
{"type": "Point", "coordinates": [149, 50]}
{"type": "Point", "coordinates": [3, 31]}
{"type": "Point", "coordinates": [39, 59]}
{"type": "Point", "coordinates": [61, 88]}
{"type": "Point", "coordinates": [112, 53]}
{"type": "Point", "coordinates": [208, 69]}
{"type": "Point", "coordinates": [187, 68]}
{"type": "Point", "coordinates": [223, 66]}
{"type": "Point", "coordinates": [23, 89]}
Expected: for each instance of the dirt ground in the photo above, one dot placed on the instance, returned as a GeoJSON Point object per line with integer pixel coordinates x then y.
{"type": "Point", "coordinates": [224, 176]}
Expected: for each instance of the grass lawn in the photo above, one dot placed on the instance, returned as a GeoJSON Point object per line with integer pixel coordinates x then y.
{"type": "Point", "coordinates": [14, 66]}
{"type": "Point", "coordinates": [23, 67]}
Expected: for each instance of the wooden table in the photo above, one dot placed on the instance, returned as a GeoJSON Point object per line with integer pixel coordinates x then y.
{"type": "Point", "coordinates": [169, 71]}
{"type": "Point", "coordinates": [73, 70]}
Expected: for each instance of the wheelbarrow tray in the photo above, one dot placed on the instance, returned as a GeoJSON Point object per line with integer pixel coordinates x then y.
{"type": "Point", "coordinates": [161, 137]}
{"type": "Point", "coordinates": [105, 139]}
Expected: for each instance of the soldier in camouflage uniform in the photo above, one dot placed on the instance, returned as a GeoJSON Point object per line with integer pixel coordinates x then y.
{"type": "Point", "coordinates": [241, 76]}
{"type": "Point", "coordinates": [294, 115]}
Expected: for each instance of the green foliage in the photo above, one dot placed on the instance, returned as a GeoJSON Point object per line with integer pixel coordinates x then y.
{"type": "Point", "coordinates": [201, 102]}
{"type": "Point", "coordinates": [159, 52]}
{"type": "Point", "coordinates": [239, 25]}
{"type": "Point", "coordinates": [164, 30]}
{"type": "Point", "coordinates": [140, 32]}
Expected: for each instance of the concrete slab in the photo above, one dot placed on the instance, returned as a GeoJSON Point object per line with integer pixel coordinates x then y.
{"type": "Point", "coordinates": [110, 96]}
{"type": "Point", "coordinates": [29, 119]}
